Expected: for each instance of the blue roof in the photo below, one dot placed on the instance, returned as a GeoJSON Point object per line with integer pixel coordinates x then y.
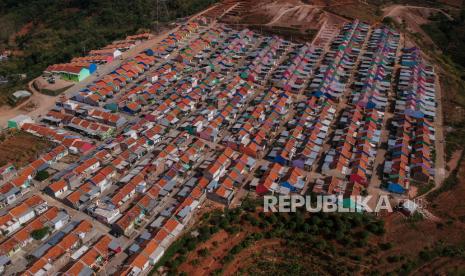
{"type": "Point", "coordinates": [395, 188]}
{"type": "Point", "coordinates": [149, 52]}
{"type": "Point", "coordinates": [370, 105]}
{"type": "Point", "coordinates": [414, 113]}
{"type": "Point", "coordinates": [318, 94]}
{"type": "Point", "coordinates": [289, 186]}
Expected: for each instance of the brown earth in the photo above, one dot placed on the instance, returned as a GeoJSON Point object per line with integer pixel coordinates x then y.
{"type": "Point", "coordinates": [290, 15]}
{"type": "Point", "coordinates": [453, 3]}
{"type": "Point", "coordinates": [21, 148]}
{"type": "Point", "coordinates": [407, 236]}
{"type": "Point", "coordinates": [218, 247]}
{"type": "Point", "coordinates": [245, 257]}
{"type": "Point", "coordinates": [412, 17]}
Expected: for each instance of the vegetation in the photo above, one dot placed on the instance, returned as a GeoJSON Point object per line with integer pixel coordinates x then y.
{"type": "Point", "coordinates": [319, 236]}
{"type": "Point", "coordinates": [428, 254]}
{"type": "Point", "coordinates": [40, 233]}
{"type": "Point", "coordinates": [448, 35]}
{"type": "Point", "coordinates": [42, 175]}
{"type": "Point", "coordinates": [44, 32]}
{"type": "Point", "coordinates": [21, 148]}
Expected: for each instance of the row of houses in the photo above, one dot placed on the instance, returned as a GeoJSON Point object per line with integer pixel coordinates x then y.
{"type": "Point", "coordinates": [349, 162]}
{"type": "Point", "coordinates": [166, 228]}
{"type": "Point", "coordinates": [331, 77]}
{"type": "Point", "coordinates": [73, 143]}
{"type": "Point", "coordinates": [265, 58]}
{"type": "Point", "coordinates": [52, 220]}
{"type": "Point", "coordinates": [277, 179]}
{"type": "Point", "coordinates": [68, 240]}
{"type": "Point", "coordinates": [258, 123]}
{"type": "Point", "coordinates": [79, 68]}
{"type": "Point", "coordinates": [412, 136]}
{"type": "Point", "coordinates": [21, 182]}
{"type": "Point", "coordinates": [225, 174]}
{"type": "Point", "coordinates": [293, 74]}
{"type": "Point", "coordinates": [95, 258]}
{"type": "Point", "coordinates": [11, 220]}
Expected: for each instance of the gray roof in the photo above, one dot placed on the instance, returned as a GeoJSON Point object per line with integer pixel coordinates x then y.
{"type": "Point", "coordinates": [4, 260]}
{"type": "Point", "coordinates": [22, 94]}
{"type": "Point", "coordinates": [39, 252]}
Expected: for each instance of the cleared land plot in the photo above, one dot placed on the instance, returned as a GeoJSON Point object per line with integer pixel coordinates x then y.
{"type": "Point", "coordinates": [20, 148]}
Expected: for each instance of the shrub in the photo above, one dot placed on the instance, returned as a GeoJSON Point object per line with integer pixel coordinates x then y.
{"type": "Point", "coordinates": [40, 233]}
{"type": "Point", "coordinates": [42, 175]}
{"type": "Point", "coordinates": [203, 252]}
{"type": "Point", "coordinates": [385, 246]}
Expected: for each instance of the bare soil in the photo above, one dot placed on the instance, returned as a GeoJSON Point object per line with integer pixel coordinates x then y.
{"type": "Point", "coordinates": [21, 148]}
{"type": "Point", "coordinates": [218, 247]}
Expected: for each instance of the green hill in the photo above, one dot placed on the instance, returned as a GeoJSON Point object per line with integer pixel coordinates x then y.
{"type": "Point", "coordinates": [44, 32]}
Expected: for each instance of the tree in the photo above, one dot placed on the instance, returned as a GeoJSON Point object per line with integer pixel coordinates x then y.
{"type": "Point", "coordinates": [39, 234]}
{"type": "Point", "coordinates": [42, 175]}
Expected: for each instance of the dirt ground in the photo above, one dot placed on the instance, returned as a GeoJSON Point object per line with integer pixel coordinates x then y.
{"type": "Point", "coordinates": [408, 238]}
{"type": "Point", "coordinates": [295, 14]}
{"type": "Point", "coordinates": [218, 247]}
{"type": "Point", "coordinates": [412, 18]}
{"type": "Point", "coordinates": [450, 204]}
{"type": "Point", "coordinates": [453, 162]}
{"type": "Point", "coordinates": [244, 258]}
{"type": "Point", "coordinates": [21, 148]}
{"type": "Point", "coordinates": [37, 105]}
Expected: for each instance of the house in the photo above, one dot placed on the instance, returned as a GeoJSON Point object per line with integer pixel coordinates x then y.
{"type": "Point", "coordinates": [53, 218]}
{"type": "Point", "coordinates": [18, 121]}
{"type": "Point", "coordinates": [111, 52]}
{"type": "Point", "coordinates": [57, 189]}
{"type": "Point", "coordinates": [222, 195]}
{"type": "Point", "coordinates": [128, 190]}
{"type": "Point", "coordinates": [70, 242]}
{"type": "Point", "coordinates": [132, 108]}
{"type": "Point", "coordinates": [125, 225]}
{"type": "Point", "coordinates": [82, 195]}
{"type": "Point", "coordinates": [102, 179]}
{"type": "Point", "coordinates": [8, 194]}
{"type": "Point", "coordinates": [18, 97]}
{"type": "Point", "coordinates": [88, 167]}
{"type": "Point", "coordinates": [7, 172]}
{"type": "Point", "coordinates": [69, 71]}
{"type": "Point", "coordinates": [95, 258]}
{"type": "Point", "coordinates": [107, 118]}
{"type": "Point", "coordinates": [11, 221]}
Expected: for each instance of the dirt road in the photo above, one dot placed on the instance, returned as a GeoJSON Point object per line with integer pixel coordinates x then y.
{"type": "Point", "coordinates": [39, 104]}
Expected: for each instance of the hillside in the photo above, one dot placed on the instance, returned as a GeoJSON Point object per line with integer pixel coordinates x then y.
{"type": "Point", "coordinates": [44, 32]}
{"type": "Point", "coordinates": [246, 242]}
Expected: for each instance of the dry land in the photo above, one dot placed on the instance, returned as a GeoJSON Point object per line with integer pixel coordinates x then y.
{"type": "Point", "coordinates": [21, 148]}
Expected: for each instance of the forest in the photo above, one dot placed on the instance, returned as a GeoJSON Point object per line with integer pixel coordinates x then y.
{"type": "Point", "coordinates": [449, 35]}
{"type": "Point", "coordinates": [44, 32]}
